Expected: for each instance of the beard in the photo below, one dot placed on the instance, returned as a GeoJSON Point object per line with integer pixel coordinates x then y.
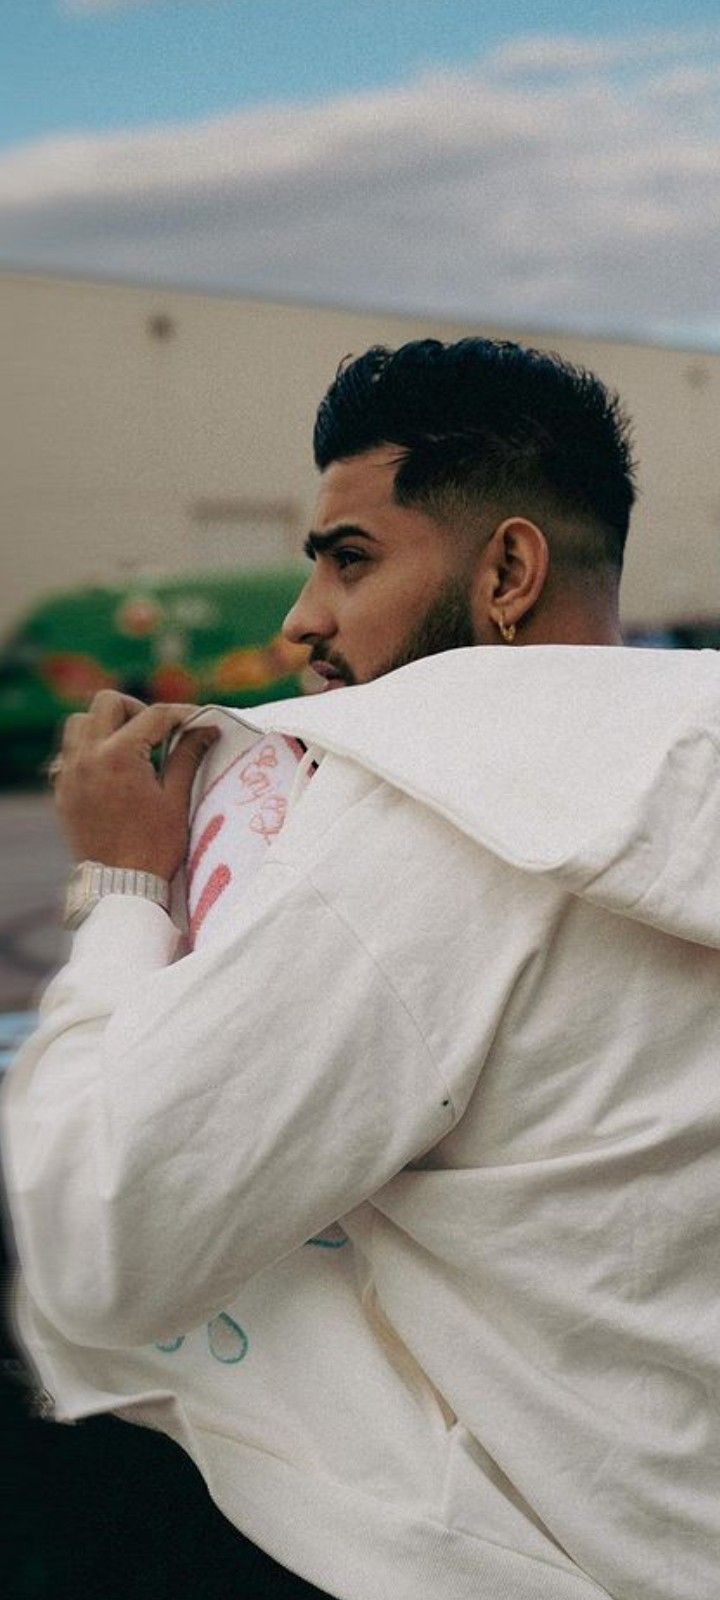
{"type": "Point", "coordinates": [446, 625]}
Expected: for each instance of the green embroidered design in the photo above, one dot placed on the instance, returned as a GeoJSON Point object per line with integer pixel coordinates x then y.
{"type": "Point", "coordinates": [333, 1238]}
{"type": "Point", "coordinates": [227, 1340]}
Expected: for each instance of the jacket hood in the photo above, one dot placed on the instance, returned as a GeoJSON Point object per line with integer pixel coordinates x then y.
{"type": "Point", "coordinates": [597, 764]}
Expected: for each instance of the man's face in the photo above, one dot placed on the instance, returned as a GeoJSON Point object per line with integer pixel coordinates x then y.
{"type": "Point", "coordinates": [388, 585]}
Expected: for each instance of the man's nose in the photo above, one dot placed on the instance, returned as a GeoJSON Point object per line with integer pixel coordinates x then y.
{"type": "Point", "coordinates": [308, 620]}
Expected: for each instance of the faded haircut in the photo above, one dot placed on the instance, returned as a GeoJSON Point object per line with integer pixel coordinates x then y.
{"type": "Point", "coordinates": [487, 425]}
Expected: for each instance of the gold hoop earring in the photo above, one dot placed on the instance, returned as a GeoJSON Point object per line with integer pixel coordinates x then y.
{"type": "Point", "coordinates": [507, 629]}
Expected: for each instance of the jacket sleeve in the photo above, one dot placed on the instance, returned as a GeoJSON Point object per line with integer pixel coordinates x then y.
{"type": "Point", "coordinates": [174, 1127]}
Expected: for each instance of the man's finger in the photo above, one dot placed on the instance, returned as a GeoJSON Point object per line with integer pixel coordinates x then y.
{"type": "Point", "coordinates": [73, 731]}
{"type": "Point", "coordinates": [182, 765]}
{"type": "Point", "coordinates": [110, 710]}
{"type": "Point", "coordinates": [153, 724]}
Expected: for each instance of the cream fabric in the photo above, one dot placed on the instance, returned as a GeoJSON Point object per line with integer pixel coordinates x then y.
{"type": "Point", "coordinates": [396, 1202]}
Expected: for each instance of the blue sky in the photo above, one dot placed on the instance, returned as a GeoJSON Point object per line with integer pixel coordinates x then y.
{"type": "Point", "coordinates": [551, 165]}
{"type": "Point", "coordinates": [111, 64]}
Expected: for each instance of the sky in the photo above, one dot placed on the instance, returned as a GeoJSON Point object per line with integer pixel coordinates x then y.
{"type": "Point", "coordinates": [531, 165]}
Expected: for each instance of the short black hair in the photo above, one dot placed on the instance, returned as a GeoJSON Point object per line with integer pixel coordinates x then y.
{"type": "Point", "coordinates": [486, 421]}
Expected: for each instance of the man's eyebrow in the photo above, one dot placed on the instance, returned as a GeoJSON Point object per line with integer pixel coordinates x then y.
{"type": "Point", "coordinates": [317, 543]}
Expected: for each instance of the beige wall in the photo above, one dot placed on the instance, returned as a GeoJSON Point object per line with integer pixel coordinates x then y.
{"type": "Point", "coordinates": [124, 451]}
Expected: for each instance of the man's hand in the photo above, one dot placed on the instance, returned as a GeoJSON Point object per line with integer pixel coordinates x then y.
{"type": "Point", "coordinates": [113, 805]}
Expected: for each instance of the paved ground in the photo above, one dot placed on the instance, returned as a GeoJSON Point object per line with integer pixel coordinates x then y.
{"type": "Point", "coordinates": [34, 865]}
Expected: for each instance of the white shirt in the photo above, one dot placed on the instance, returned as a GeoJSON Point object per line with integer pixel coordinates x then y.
{"type": "Point", "coordinates": [396, 1203]}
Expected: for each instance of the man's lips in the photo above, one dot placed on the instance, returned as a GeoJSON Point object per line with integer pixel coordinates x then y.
{"type": "Point", "coordinates": [333, 678]}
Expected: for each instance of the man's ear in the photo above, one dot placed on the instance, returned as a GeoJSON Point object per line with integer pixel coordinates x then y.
{"type": "Point", "coordinates": [516, 565]}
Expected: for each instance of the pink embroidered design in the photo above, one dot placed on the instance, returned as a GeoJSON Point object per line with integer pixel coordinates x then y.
{"type": "Point", "coordinates": [206, 838]}
{"type": "Point", "coordinates": [216, 885]}
{"type": "Point", "coordinates": [269, 819]}
{"type": "Point", "coordinates": [253, 776]}
{"type": "Point", "coordinates": [237, 818]}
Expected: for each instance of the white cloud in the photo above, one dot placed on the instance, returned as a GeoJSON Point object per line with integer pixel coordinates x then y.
{"type": "Point", "coordinates": [538, 54]}
{"type": "Point", "coordinates": [686, 82]}
{"type": "Point", "coordinates": [588, 201]}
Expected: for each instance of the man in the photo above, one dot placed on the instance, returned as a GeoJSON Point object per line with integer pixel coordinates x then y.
{"type": "Point", "coordinates": [394, 1205]}
{"type": "Point", "coordinates": [404, 513]}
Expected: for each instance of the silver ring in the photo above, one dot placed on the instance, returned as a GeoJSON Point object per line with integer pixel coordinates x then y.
{"type": "Point", "coordinates": [54, 768]}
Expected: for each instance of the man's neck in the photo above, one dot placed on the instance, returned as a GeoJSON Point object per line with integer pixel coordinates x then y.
{"type": "Point", "coordinates": [576, 621]}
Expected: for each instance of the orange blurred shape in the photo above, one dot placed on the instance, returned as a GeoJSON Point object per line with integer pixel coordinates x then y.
{"type": "Point", "coordinates": [285, 657]}
{"type": "Point", "coordinates": [252, 669]}
{"type": "Point", "coordinates": [173, 683]}
{"type": "Point", "coordinates": [242, 669]}
{"type": "Point", "coordinates": [75, 678]}
{"type": "Point", "coordinates": [138, 616]}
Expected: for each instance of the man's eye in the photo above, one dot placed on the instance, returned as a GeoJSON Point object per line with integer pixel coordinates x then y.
{"type": "Point", "coordinates": [347, 558]}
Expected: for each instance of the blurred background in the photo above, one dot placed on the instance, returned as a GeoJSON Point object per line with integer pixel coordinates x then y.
{"type": "Point", "coordinates": [204, 205]}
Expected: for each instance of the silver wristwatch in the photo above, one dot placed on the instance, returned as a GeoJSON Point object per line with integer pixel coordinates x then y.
{"type": "Point", "coordinates": [91, 881]}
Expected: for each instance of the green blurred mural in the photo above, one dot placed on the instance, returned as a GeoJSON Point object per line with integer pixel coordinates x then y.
{"type": "Point", "coordinates": [194, 638]}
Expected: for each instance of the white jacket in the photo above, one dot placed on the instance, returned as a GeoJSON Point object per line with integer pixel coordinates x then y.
{"type": "Point", "coordinates": [398, 1207]}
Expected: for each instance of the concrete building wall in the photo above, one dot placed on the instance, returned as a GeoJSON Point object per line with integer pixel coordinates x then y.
{"type": "Point", "coordinates": [157, 430]}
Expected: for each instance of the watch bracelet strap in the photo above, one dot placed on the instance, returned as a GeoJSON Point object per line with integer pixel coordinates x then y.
{"type": "Point", "coordinates": [99, 881]}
